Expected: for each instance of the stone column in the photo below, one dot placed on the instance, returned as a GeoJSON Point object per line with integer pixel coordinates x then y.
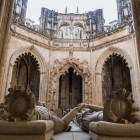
{"type": "Point", "coordinates": [6, 13]}
{"type": "Point", "coordinates": [43, 87]}
{"type": "Point", "coordinates": [98, 85]}
{"type": "Point", "coordinates": [136, 18]}
{"type": "Point", "coordinates": [5, 22]}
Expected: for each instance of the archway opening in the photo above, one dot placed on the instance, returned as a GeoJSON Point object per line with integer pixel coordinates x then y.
{"type": "Point", "coordinates": [70, 89]}
{"type": "Point", "coordinates": [115, 75]}
{"type": "Point", "coordinates": [26, 73]}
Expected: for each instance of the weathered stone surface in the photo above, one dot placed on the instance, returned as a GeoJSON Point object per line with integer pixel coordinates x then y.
{"type": "Point", "coordinates": [120, 41]}
{"type": "Point", "coordinates": [19, 104]}
{"type": "Point", "coordinates": [120, 108]}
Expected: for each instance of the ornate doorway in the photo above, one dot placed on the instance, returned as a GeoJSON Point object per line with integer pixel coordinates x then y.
{"type": "Point", "coordinates": [26, 73]}
{"type": "Point", "coordinates": [63, 68]}
{"type": "Point", "coordinates": [115, 75]}
{"type": "Point", "coordinates": [70, 89]}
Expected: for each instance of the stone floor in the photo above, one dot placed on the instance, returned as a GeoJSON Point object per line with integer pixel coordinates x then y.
{"type": "Point", "coordinates": [75, 134]}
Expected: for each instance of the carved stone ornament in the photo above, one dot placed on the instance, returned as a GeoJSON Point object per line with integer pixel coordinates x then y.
{"type": "Point", "coordinates": [61, 68]}
{"type": "Point", "coordinates": [120, 108]}
{"type": "Point", "coordinates": [19, 104]}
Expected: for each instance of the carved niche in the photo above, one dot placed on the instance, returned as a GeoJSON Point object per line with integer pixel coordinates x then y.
{"type": "Point", "coordinates": [60, 68]}
{"type": "Point", "coordinates": [26, 73]}
{"type": "Point", "coordinates": [115, 75]}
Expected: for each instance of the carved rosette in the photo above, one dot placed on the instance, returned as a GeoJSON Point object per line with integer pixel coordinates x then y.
{"type": "Point", "coordinates": [59, 68]}
{"type": "Point", "coordinates": [121, 108]}
{"type": "Point", "coordinates": [19, 104]}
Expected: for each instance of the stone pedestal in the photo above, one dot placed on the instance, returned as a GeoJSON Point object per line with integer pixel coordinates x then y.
{"type": "Point", "coordinates": [30, 130]}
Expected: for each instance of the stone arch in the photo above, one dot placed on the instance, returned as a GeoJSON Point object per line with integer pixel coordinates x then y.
{"type": "Point", "coordinates": [60, 68]}
{"type": "Point", "coordinates": [42, 68]}
{"type": "Point", "coordinates": [110, 51]}
{"type": "Point", "coordinates": [62, 23]}
{"type": "Point", "coordinates": [34, 52]}
{"type": "Point", "coordinates": [99, 66]}
{"type": "Point", "coordinates": [79, 24]}
{"type": "Point", "coordinates": [115, 75]}
{"type": "Point", "coordinates": [26, 72]}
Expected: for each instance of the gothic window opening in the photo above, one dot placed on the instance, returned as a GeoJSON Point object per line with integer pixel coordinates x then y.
{"type": "Point", "coordinates": [26, 73]}
{"type": "Point", "coordinates": [115, 75]}
{"type": "Point", "coordinates": [71, 32]}
{"type": "Point", "coordinates": [70, 89]}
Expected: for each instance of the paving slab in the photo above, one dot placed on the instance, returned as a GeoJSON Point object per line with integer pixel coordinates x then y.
{"type": "Point", "coordinates": [75, 134]}
{"type": "Point", "coordinates": [80, 136]}
{"type": "Point", "coordinates": [63, 136]}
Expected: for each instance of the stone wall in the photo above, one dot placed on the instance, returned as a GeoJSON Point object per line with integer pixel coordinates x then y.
{"type": "Point", "coordinates": [6, 10]}
{"type": "Point", "coordinates": [88, 62]}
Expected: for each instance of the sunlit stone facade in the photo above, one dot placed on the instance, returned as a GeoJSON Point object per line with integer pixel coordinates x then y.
{"type": "Point", "coordinates": [72, 58]}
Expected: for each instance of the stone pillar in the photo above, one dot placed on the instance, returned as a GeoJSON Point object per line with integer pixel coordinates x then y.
{"type": "Point", "coordinates": [6, 12]}
{"type": "Point", "coordinates": [98, 85]}
{"type": "Point", "coordinates": [136, 18]}
{"type": "Point", "coordinates": [43, 87]}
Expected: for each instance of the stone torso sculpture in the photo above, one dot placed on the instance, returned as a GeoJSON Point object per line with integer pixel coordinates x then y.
{"type": "Point", "coordinates": [119, 108]}
{"type": "Point", "coordinates": [60, 124]}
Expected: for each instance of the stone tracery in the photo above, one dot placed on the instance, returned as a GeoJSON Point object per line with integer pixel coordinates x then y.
{"type": "Point", "coordinates": [61, 68]}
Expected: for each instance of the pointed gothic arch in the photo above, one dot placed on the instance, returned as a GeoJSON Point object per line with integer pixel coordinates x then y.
{"type": "Point", "coordinates": [26, 73]}
{"type": "Point", "coordinates": [70, 89]}
{"type": "Point", "coordinates": [99, 67]}
{"type": "Point", "coordinates": [62, 23]}
{"type": "Point", "coordinates": [115, 75]}
{"type": "Point", "coordinates": [42, 68]}
{"type": "Point", "coordinates": [60, 68]}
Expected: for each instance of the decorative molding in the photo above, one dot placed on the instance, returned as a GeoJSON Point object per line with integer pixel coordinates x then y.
{"type": "Point", "coordinates": [51, 45]}
{"type": "Point", "coordinates": [28, 39]}
{"type": "Point", "coordinates": [112, 50]}
{"type": "Point", "coordinates": [30, 30]}
{"type": "Point", "coordinates": [61, 68]}
{"type": "Point", "coordinates": [112, 42]}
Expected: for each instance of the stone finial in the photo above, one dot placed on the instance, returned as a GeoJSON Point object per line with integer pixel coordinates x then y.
{"type": "Point", "coordinates": [66, 10]}
{"type": "Point", "coordinates": [77, 10]}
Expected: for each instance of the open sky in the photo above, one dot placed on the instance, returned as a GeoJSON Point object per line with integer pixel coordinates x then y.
{"type": "Point", "coordinates": [109, 7]}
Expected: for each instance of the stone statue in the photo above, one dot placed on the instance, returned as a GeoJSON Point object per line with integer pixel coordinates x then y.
{"type": "Point", "coordinates": [20, 105]}
{"type": "Point", "coordinates": [119, 108]}
{"type": "Point", "coordinates": [60, 125]}
{"type": "Point", "coordinates": [93, 113]}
